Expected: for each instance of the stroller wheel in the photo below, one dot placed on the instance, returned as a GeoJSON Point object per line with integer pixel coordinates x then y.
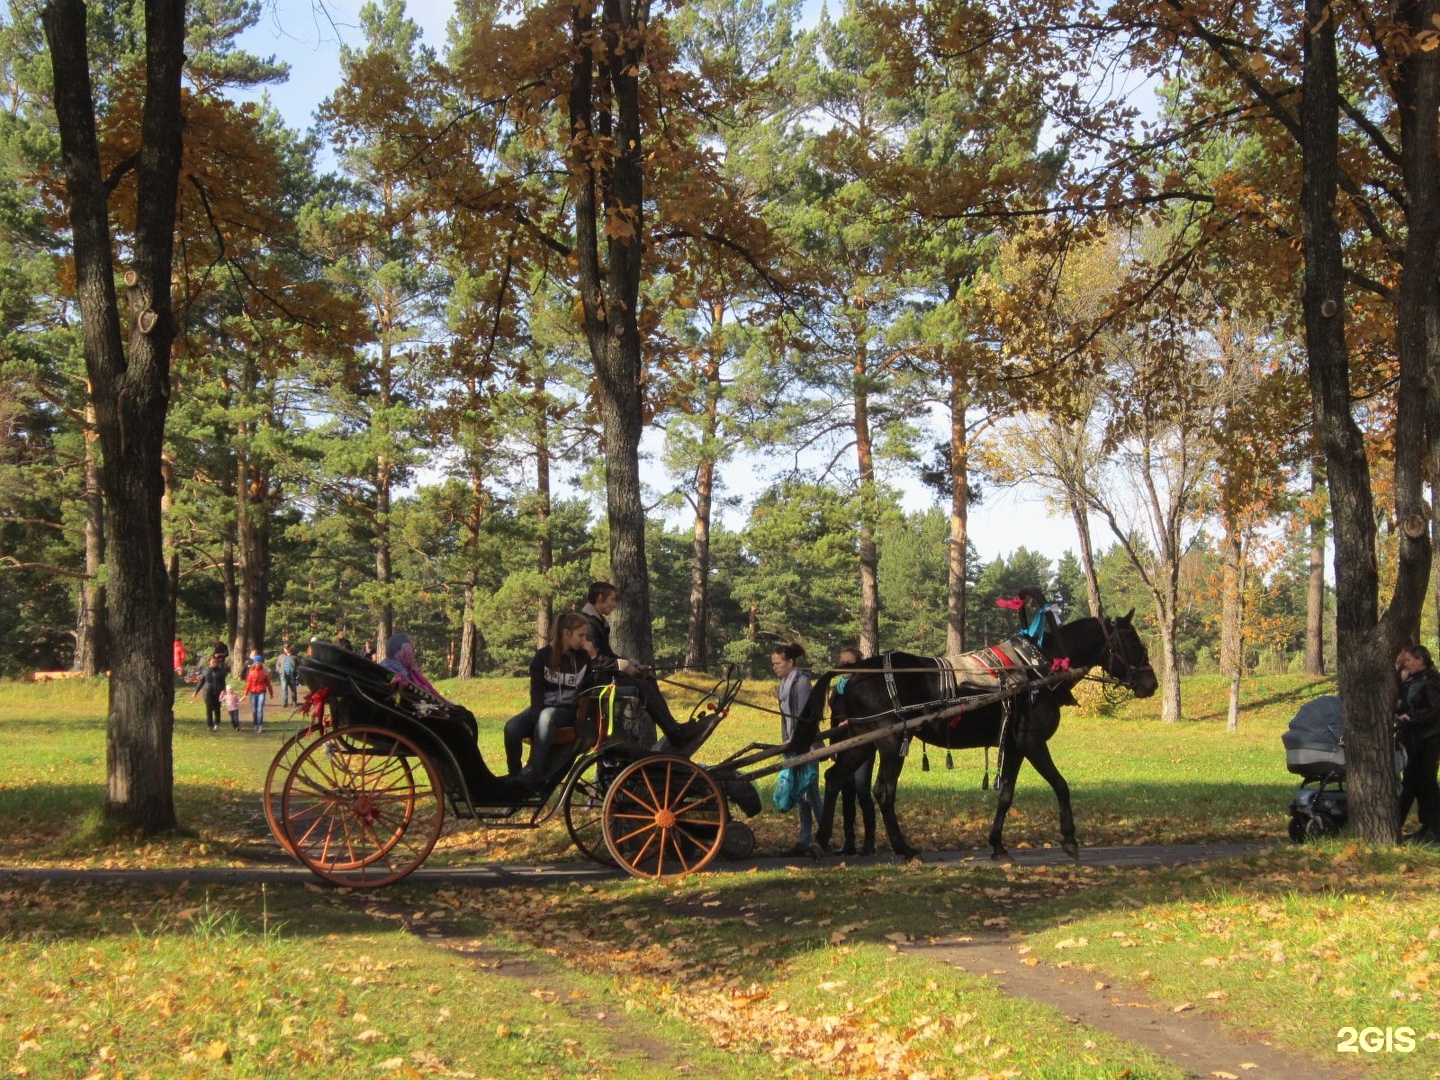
{"type": "Point", "coordinates": [1297, 828]}
{"type": "Point", "coordinates": [1320, 825]}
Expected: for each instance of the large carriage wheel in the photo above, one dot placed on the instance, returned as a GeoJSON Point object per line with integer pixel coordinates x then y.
{"type": "Point", "coordinates": [280, 766]}
{"type": "Point", "coordinates": [362, 806]}
{"type": "Point", "coordinates": [664, 816]}
{"type": "Point", "coordinates": [584, 810]}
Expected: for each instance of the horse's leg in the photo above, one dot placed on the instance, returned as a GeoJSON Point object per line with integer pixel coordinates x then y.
{"type": "Point", "coordinates": [887, 779]}
{"type": "Point", "coordinates": [1045, 765]}
{"type": "Point", "coordinates": [1004, 796]}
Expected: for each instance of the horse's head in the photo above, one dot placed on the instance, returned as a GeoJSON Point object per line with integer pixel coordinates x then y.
{"type": "Point", "coordinates": [1126, 659]}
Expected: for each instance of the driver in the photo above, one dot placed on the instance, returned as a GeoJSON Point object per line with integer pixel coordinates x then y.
{"type": "Point", "coordinates": [601, 600]}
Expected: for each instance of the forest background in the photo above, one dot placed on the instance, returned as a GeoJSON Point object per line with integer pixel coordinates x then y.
{"type": "Point", "coordinates": [378, 372]}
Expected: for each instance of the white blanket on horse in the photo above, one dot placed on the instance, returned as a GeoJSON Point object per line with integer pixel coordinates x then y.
{"type": "Point", "coordinates": [987, 670]}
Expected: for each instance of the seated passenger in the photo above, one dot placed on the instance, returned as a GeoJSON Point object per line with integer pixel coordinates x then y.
{"type": "Point", "coordinates": [400, 658]}
{"type": "Point", "coordinates": [557, 676]}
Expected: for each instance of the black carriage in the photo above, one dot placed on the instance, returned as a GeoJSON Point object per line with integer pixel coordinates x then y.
{"type": "Point", "coordinates": [361, 795]}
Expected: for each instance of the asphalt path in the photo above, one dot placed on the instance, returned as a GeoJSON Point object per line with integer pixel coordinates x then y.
{"type": "Point", "coordinates": [512, 875]}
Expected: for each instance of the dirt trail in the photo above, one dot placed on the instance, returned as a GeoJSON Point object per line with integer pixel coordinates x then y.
{"type": "Point", "coordinates": [1197, 1044]}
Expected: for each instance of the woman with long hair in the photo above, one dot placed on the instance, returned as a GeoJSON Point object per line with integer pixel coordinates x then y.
{"type": "Point", "coordinates": [792, 693]}
{"type": "Point", "coordinates": [557, 676]}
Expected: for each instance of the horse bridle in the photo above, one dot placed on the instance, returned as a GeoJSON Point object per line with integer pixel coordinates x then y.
{"type": "Point", "coordinates": [1115, 650]}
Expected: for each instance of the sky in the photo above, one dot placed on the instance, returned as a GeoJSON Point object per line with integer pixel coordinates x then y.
{"type": "Point", "coordinates": [308, 36]}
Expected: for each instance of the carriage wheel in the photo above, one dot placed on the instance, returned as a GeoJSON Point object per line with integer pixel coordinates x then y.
{"type": "Point", "coordinates": [362, 807]}
{"type": "Point", "coordinates": [280, 765]}
{"type": "Point", "coordinates": [585, 812]}
{"type": "Point", "coordinates": [664, 816]}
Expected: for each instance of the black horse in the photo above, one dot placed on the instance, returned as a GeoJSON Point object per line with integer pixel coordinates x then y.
{"type": "Point", "coordinates": [891, 687]}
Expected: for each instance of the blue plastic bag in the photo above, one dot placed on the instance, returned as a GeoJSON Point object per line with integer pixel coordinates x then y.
{"type": "Point", "coordinates": [791, 784]}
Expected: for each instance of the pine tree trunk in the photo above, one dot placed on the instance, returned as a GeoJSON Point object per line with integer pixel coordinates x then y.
{"type": "Point", "coordinates": [544, 543]}
{"type": "Point", "coordinates": [955, 582]}
{"type": "Point", "coordinates": [466, 659]}
{"type": "Point", "coordinates": [130, 390]}
{"type": "Point", "coordinates": [1315, 591]}
{"type": "Point", "coordinates": [90, 650]}
{"type": "Point", "coordinates": [697, 648]}
{"type": "Point", "coordinates": [697, 640]}
{"type": "Point", "coordinates": [384, 572]}
{"type": "Point", "coordinates": [869, 556]}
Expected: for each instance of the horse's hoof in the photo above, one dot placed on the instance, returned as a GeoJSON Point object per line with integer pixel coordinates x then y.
{"type": "Point", "coordinates": [1000, 855]}
{"type": "Point", "coordinates": [1072, 849]}
{"type": "Point", "coordinates": [909, 854]}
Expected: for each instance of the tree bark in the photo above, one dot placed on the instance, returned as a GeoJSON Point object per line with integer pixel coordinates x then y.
{"type": "Point", "coordinates": [90, 644]}
{"type": "Point", "coordinates": [697, 649]}
{"type": "Point", "coordinates": [544, 542]}
{"type": "Point", "coordinates": [869, 555]}
{"type": "Point", "coordinates": [956, 584]}
{"type": "Point", "coordinates": [130, 389]}
{"type": "Point", "coordinates": [1315, 591]}
{"type": "Point", "coordinates": [469, 635]}
{"type": "Point", "coordinates": [1081, 517]}
{"type": "Point", "coordinates": [610, 294]}
{"type": "Point", "coordinates": [1232, 620]}
{"type": "Point", "coordinates": [1365, 642]}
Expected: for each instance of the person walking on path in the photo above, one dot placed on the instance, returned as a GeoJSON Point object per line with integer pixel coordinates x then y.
{"type": "Point", "coordinates": [792, 693]}
{"type": "Point", "coordinates": [259, 687]}
{"type": "Point", "coordinates": [212, 685]}
{"type": "Point", "coordinates": [230, 699]}
{"type": "Point", "coordinates": [178, 655]}
{"type": "Point", "coordinates": [1418, 718]}
{"type": "Point", "coordinates": [287, 666]}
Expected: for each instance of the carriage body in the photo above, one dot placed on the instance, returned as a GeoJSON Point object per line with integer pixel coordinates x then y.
{"type": "Point", "coordinates": [360, 797]}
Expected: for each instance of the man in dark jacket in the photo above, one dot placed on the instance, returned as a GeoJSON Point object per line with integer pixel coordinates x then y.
{"type": "Point", "coordinates": [600, 602]}
{"type": "Point", "coordinates": [1418, 719]}
{"type": "Point", "coordinates": [212, 685]}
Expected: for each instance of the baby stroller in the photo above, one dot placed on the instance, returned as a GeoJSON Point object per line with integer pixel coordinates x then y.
{"type": "Point", "coordinates": [1315, 750]}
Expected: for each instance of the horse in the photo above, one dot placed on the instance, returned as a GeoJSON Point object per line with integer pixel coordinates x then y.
{"type": "Point", "coordinates": [883, 690]}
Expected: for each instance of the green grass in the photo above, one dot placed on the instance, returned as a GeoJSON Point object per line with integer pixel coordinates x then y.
{"type": "Point", "coordinates": [1133, 778]}
{"type": "Point", "coordinates": [808, 971]}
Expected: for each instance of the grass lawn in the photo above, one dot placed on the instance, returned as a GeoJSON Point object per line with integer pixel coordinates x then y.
{"type": "Point", "coordinates": [798, 972]}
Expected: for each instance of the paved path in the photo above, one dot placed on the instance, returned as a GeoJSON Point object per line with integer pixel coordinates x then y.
{"type": "Point", "coordinates": [1201, 1046]}
{"type": "Point", "coordinates": [496, 875]}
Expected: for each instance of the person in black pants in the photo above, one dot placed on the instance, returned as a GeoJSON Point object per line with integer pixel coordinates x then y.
{"type": "Point", "coordinates": [1418, 720]}
{"type": "Point", "coordinates": [856, 786]}
{"type": "Point", "coordinates": [600, 601]}
{"type": "Point", "coordinates": [212, 684]}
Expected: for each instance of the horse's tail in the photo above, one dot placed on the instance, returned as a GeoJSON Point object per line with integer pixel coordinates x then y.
{"type": "Point", "coordinates": [807, 724]}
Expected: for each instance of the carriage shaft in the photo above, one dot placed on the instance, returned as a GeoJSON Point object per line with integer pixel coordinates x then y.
{"type": "Point", "coordinates": [908, 725]}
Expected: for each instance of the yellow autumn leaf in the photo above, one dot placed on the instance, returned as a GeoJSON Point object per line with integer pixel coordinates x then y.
{"type": "Point", "coordinates": [217, 1050]}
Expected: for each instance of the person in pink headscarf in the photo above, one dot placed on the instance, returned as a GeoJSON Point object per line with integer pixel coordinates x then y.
{"type": "Point", "coordinates": [400, 658]}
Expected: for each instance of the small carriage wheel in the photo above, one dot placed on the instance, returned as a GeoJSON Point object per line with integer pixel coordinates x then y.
{"type": "Point", "coordinates": [281, 764]}
{"type": "Point", "coordinates": [739, 840]}
{"type": "Point", "coordinates": [664, 816]}
{"type": "Point", "coordinates": [584, 809]}
{"type": "Point", "coordinates": [1297, 829]}
{"type": "Point", "coordinates": [362, 806]}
